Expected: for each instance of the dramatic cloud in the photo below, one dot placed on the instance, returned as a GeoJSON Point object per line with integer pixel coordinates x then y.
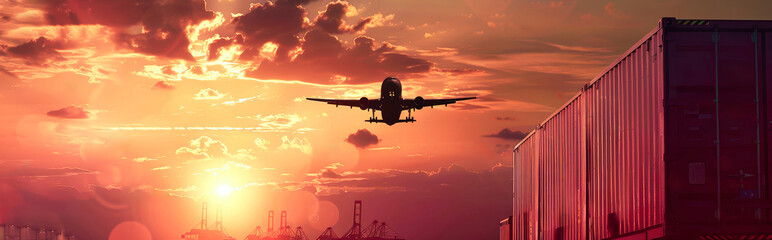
{"type": "Point", "coordinates": [39, 51]}
{"type": "Point", "coordinates": [214, 47]}
{"type": "Point", "coordinates": [331, 20]}
{"type": "Point", "coordinates": [279, 22]}
{"type": "Point", "coordinates": [363, 139]}
{"type": "Point", "coordinates": [282, 45]}
{"type": "Point", "coordinates": [164, 23]}
{"type": "Point", "coordinates": [508, 134]}
{"type": "Point", "coordinates": [325, 60]}
{"type": "Point", "coordinates": [208, 94]}
{"type": "Point", "coordinates": [70, 112]}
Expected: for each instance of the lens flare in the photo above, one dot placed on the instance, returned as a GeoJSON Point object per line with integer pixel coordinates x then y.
{"type": "Point", "coordinates": [224, 190]}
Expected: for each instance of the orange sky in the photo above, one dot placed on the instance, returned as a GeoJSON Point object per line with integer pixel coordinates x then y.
{"type": "Point", "coordinates": [138, 110]}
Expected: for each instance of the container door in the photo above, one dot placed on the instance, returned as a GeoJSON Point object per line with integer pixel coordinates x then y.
{"type": "Point", "coordinates": [768, 120]}
{"type": "Point", "coordinates": [690, 128]}
{"type": "Point", "coordinates": [738, 146]}
{"type": "Point", "coordinates": [715, 169]}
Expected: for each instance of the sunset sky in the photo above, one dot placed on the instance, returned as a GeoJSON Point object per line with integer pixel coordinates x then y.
{"type": "Point", "coordinates": [136, 111]}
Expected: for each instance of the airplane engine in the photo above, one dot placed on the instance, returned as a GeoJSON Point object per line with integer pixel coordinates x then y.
{"type": "Point", "coordinates": [363, 102]}
{"type": "Point", "coordinates": [419, 102]}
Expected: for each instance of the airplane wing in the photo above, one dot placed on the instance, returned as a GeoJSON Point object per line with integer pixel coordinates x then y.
{"type": "Point", "coordinates": [370, 103]}
{"type": "Point", "coordinates": [420, 103]}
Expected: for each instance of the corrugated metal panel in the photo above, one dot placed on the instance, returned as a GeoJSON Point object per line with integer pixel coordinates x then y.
{"type": "Point", "coordinates": [525, 219]}
{"type": "Point", "coordinates": [562, 188]}
{"type": "Point", "coordinates": [625, 154]}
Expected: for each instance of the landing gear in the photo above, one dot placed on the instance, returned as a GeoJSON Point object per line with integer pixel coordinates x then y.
{"type": "Point", "coordinates": [410, 116]}
{"type": "Point", "coordinates": [373, 118]}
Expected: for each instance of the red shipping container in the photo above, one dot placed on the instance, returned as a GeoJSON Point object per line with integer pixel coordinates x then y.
{"type": "Point", "coordinates": [505, 229]}
{"type": "Point", "coordinates": [670, 141]}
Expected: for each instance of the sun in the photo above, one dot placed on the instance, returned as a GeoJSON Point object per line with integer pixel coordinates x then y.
{"type": "Point", "coordinates": [224, 190]}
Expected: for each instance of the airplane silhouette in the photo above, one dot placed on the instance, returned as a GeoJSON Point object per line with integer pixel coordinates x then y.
{"type": "Point", "coordinates": [391, 104]}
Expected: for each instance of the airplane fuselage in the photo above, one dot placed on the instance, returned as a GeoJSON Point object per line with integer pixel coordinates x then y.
{"type": "Point", "coordinates": [391, 100]}
{"type": "Point", "coordinates": [391, 103]}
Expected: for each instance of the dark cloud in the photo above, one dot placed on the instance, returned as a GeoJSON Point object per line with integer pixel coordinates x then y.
{"type": "Point", "coordinates": [163, 85]}
{"type": "Point", "coordinates": [163, 22]}
{"type": "Point", "coordinates": [310, 53]}
{"type": "Point", "coordinates": [280, 22]}
{"type": "Point", "coordinates": [39, 51]}
{"type": "Point", "coordinates": [217, 44]}
{"type": "Point", "coordinates": [71, 112]}
{"type": "Point", "coordinates": [362, 139]}
{"type": "Point", "coordinates": [324, 60]}
{"type": "Point", "coordinates": [508, 134]}
{"type": "Point", "coordinates": [331, 20]}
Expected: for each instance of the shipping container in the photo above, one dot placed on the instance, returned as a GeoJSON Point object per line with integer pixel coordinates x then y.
{"type": "Point", "coordinates": [505, 229]}
{"type": "Point", "coordinates": [670, 141]}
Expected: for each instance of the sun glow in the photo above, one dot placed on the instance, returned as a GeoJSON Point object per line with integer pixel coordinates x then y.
{"type": "Point", "coordinates": [224, 190]}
